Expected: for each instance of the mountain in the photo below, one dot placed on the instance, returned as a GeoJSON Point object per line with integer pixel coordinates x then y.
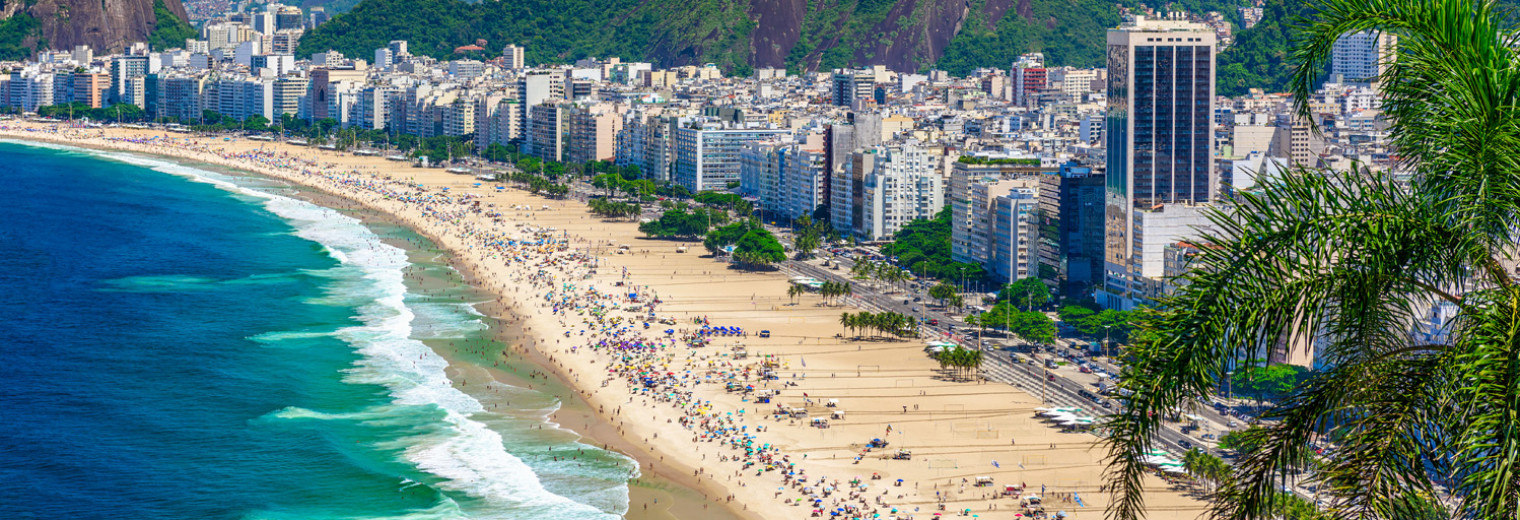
{"type": "Point", "coordinates": [106, 25]}
{"type": "Point", "coordinates": [739, 35]}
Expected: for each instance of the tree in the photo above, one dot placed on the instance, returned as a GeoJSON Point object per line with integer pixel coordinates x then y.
{"type": "Point", "coordinates": [1348, 261]}
{"type": "Point", "coordinates": [942, 291]}
{"type": "Point", "coordinates": [1267, 381]}
{"type": "Point", "coordinates": [759, 248]}
{"type": "Point", "coordinates": [1034, 327]}
{"type": "Point", "coordinates": [1028, 293]}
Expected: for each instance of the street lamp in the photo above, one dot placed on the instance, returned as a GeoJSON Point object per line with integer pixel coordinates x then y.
{"type": "Point", "coordinates": [1105, 342]}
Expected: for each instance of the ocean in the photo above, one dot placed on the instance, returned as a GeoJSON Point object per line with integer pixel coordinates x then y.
{"type": "Point", "coordinates": [182, 343]}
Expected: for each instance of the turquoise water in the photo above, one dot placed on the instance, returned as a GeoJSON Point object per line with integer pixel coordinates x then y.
{"type": "Point", "coordinates": [180, 343]}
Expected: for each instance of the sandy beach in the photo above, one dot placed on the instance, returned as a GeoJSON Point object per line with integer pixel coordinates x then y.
{"type": "Point", "coordinates": [678, 400]}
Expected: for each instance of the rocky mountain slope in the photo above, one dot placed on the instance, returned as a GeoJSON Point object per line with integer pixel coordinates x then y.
{"type": "Point", "coordinates": [106, 25]}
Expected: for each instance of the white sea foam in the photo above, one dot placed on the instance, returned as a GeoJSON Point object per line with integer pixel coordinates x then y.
{"type": "Point", "coordinates": [469, 457]}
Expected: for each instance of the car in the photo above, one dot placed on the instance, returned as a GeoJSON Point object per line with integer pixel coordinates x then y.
{"type": "Point", "coordinates": [1185, 445]}
{"type": "Point", "coordinates": [907, 302]}
{"type": "Point", "coordinates": [915, 309]}
{"type": "Point", "coordinates": [934, 321]}
{"type": "Point", "coordinates": [917, 299]}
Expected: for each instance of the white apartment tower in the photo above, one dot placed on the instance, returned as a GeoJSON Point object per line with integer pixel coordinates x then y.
{"type": "Point", "coordinates": [1361, 57]}
{"type": "Point", "coordinates": [512, 57]}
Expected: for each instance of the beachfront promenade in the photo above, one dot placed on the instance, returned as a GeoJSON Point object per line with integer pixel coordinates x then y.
{"type": "Point", "coordinates": [700, 394]}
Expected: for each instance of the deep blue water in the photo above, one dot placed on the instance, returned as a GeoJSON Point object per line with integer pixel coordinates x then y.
{"type": "Point", "coordinates": [180, 349]}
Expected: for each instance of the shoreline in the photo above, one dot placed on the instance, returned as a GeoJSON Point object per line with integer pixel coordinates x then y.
{"type": "Point", "coordinates": [505, 322]}
{"type": "Point", "coordinates": [960, 432]}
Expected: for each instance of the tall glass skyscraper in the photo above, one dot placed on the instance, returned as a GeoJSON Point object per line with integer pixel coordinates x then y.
{"type": "Point", "coordinates": [1160, 135]}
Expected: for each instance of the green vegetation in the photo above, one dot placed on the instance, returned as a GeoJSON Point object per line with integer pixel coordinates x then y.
{"type": "Point", "coordinates": [1033, 327]}
{"type": "Point", "coordinates": [670, 32]}
{"type": "Point", "coordinates": [923, 247]}
{"type": "Point", "coordinates": [1259, 56]}
{"type": "Point", "coordinates": [15, 34]}
{"type": "Point", "coordinates": [1424, 426]}
{"type": "Point", "coordinates": [892, 323]}
{"type": "Point", "coordinates": [758, 248]}
{"type": "Point", "coordinates": [1263, 381]}
{"type": "Point", "coordinates": [1069, 33]}
{"type": "Point", "coordinates": [832, 290]}
{"type": "Point", "coordinates": [1027, 293]}
{"type": "Point", "coordinates": [1115, 325]}
{"type": "Point", "coordinates": [169, 31]}
{"type": "Point", "coordinates": [960, 359]}
{"type": "Point", "coordinates": [722, 237]}
{"type": "Point", "coordinates": [1243, 442]}
{"type": "Point", "coordinates": [684, 222]}
{"type": "Point", "coordinates": [119, 113]}
{"type": "Point", "coordinates": [970, 159]}
{"type": "Point", "coordinates": [613, 209]}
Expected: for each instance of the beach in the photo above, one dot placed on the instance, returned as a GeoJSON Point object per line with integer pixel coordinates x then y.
{"type": "Point", "coordinates": [686, 404]}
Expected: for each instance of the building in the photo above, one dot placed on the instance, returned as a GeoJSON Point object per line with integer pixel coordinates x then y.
{"type": "Point", "coordinates": [1014, 235]}
{"type": "Point", "coordinates": [1361, 57]}
{"type": "Point", "coordinates": [974, 181]}
{"type": "Point", "coordinates": [384, 59]}
{"type": "Point", "coordinates": [648, 142]}
{"type": "Point", "coordinates": [546, 131]}
{"type": "Point", "coordinates": [179, 97]}
{"type": "Point", "coordinates": [707, 157]}
{"type": "Point", "coordinates": [513, 57]}
{"type": "Point", "coordinates": [884, 188]}
{"type": "Point", "coordinates": [123, 69]}
{"type": "Point", "coordinates": [92, 89]}
{"type": "Point", "coordinates": [853, 88]}
{"type": "Point", "coordinates": [1071, 230]}
{"type": "Point", "coordinates": [323, 84]}
{"type": "Point", "coordinates": [1029, 78]}
{"type": "Point", "coordinates": [466, 69]}
{"type": "Point", "coordinates": [541, 85]}
{"type": "Point", "coordinates": [1160, 142]}
{"type": "Point", "coordinates": [593, 131]}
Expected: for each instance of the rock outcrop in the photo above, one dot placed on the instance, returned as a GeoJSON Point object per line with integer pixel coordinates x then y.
{"type": "Point", "coordinates": [106, 25]}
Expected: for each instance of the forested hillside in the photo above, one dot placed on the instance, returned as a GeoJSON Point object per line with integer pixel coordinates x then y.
{"type": "Point", "coordinates": [955, 35]}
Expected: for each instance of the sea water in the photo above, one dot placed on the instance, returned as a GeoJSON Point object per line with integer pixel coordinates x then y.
{"type": "Point", "coordinates": [179, 343]}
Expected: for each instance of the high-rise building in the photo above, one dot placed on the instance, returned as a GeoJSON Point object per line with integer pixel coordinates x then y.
{"type": "Point", "coordinates": [1160, 139]}
{"type": "Point", "coordinates": [854, 87]}
{"type": "Point", "coordinates": [1071, 230]}
{"type": "Point", "coordinates": [318, 16]}
{"type": "Point", "coordinates": [384, 58]}
{"type": "Point", "coordinates": [92, 88]}
{"type": "Point", "coordinates": [398, 49]}
{"type": "Point", "coordinates": [1013, 234]}
{"type": "Point", "coordinates": [512, 57]}
{"type": "Point", "coordinates": [546, 131]}
{"type": "Point", "coordinates": [1360, 57]}
{"type": "Point", "coordinates": [1029, 78]}
{"type": "Point", "coordinates": [974, 182]}
{"type": "Point", "coordinates": [884, 187]}
{"type": "Point", "coordinates": [592, 131]}
{"type": "Point", "coordinates": [707, 158]}
{"type": "Point", "coordinates": [123, 69]}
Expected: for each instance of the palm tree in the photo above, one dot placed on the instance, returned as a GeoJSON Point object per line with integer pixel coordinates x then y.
{"type": "Point", "coordinates": [1349, 262]}
{"type": "Point", "coordinates": [846, 320]}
